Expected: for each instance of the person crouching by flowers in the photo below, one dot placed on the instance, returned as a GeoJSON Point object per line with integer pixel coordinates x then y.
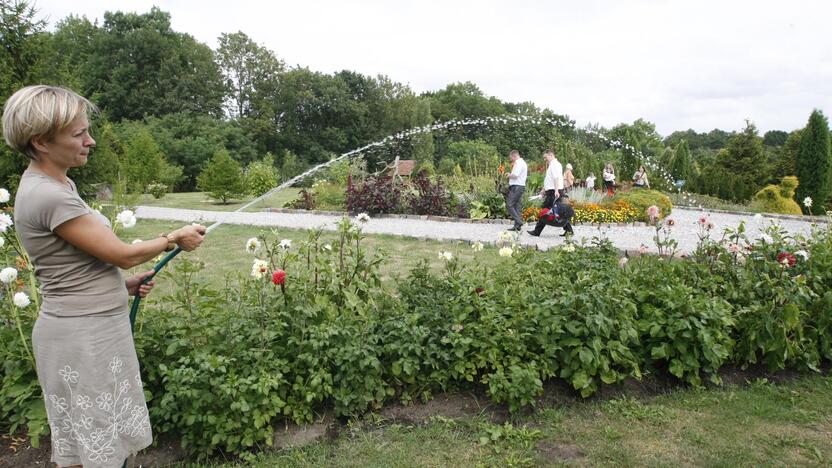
{"type": "Point", "coordinates": [82, 341]}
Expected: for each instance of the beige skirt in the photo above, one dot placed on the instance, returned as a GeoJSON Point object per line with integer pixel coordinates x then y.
{"type": "Point", "coordinates": [89, 373]}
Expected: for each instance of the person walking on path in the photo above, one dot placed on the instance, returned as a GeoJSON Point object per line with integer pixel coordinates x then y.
{"type": "Point", "coordinates": [568, 178]}
{"type": "Point", "coordinates": [552, 186]}
{"type": "Point", "coordinates": [560, 215]}
{"type": "Point", "coordinates": [83, 345]}
{"type": "Point", "coordinates": [516, 188]}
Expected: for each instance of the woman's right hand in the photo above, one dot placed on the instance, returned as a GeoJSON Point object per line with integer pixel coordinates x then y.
{"type": "Point", "coordinates": [190, 237]}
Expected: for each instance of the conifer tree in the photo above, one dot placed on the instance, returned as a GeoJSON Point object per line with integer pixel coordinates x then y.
{"type": "Point", "coordinates": [814, 163]}
{"type": "Point", "coordinates": [222, 178]}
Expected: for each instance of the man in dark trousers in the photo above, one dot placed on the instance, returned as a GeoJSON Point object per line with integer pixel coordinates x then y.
{"type": "Point", "coordinates": [560, 213]}
{"type": "Point", "coordinates": [516, 188]}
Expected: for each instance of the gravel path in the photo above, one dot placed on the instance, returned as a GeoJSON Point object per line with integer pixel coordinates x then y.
{"type": "Point", "coordinates": [624, 237]}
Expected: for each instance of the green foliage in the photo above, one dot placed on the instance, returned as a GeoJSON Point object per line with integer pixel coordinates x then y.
{"type": "Point", "coordinates": [489, 205]}
{"type": "Point", "coordinates": [683, 331]}
{"type": "Point", "coordinates": [224, 366]}
{"type": "Point", "coordinates": [777, 198]}
{"type": "Point", "coordinates": [329, 196]}
{"type": "Point", "coordinates": [230, 363]}
{"type": "Point", "coordinates": [642, 136]}
{"type": "Point", "coordinates": [21, 401]}
{"type": "Point", "coordinates": [744, 163]}
{"type": "Point", "coordinates": [446, 166]}
{"type": "Point", "coordinates": [143, 162]}
{"type": "Point", "coordinates": [261, 176]}
{"type": "Point", "coordinates": [680, 164]}
{"type": "Point", "coordinates": [251, 73]}
{"type": "Point", "coordinates": [780, 314]}
{"type": "Point", "coordinates": [460, 100]}
{"type": "Point", "coordinates": [475, 157]}
{"type": "Point", "coordinates": [775, 138]}
{"type": "Point", "coordinates": [190, 140]}
{"type": "Point", "coordinates": [222, 178]}
{"type": "Point", "coordinates": [785, 162]}
{"type": "Point", "coordinates": [422, 145]}
{"type": "Point", "coordinates": [338, 172]}
{"type": "Point", "coordinates": [641, 199]}
{"type": "Point", "coordinates": [814, 162]}
{"type": "Point", "coordinates": [139, 66]}
{"type": "Point", "coordinates": [290, 166]}
{"type": "Point", "coordinates": [157, 190]}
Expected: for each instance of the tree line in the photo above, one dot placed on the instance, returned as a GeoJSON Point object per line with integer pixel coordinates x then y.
{"type": "Point", "coordinates": [169, 103]}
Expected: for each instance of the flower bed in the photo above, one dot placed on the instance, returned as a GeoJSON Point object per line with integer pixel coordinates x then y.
{"type": "Point", "coordinates": [619, 212]}
{"type": "Point", "coordinates": [312, 328]}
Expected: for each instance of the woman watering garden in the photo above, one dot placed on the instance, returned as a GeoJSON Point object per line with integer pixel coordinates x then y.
{"type": "Point", "coordinates": [83, 346]}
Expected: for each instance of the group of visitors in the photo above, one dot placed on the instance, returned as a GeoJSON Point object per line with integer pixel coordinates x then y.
{"type": "Point", "coordinates": [639, 178]}
{"type": "Point", "coordinates": [556, 186]}
{"type": "Point", "coordinates": [556, 212]}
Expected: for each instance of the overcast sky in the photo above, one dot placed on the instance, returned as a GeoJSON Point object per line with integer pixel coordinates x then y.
{"type": "Point", "coordinates": [697, 64]}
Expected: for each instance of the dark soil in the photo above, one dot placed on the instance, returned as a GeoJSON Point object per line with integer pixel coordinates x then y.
{"type": "Point", "coordinates": [15, 451]}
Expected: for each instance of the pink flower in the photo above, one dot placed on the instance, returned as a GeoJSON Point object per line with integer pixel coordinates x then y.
{"type": "Point", "coordinates": [734, 248]}
{"type": "Point", "coordinates": [670, 222]}
{"type": "Point", "coordinates": [642, 249]}
{"type": "Point", "coordinates": [653, 212]}
{"type": "Point", "coordinates": [703, 220]}
{"type": "Point", "coordinates": [279, 277]}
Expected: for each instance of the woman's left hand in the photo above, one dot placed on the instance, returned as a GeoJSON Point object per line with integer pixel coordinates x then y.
{"type": "Point", "coordinates": [135, 282]}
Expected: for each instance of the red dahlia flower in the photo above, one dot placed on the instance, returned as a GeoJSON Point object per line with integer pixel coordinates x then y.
{"type": "Point", "coordinates": [279, 277]}
{"type": "Point", "coordinates": [786, 259]}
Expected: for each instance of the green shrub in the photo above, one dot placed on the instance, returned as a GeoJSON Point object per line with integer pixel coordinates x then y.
{"type": "Point", "coordinates": [157, 190]}
{"type": "Point", "coordinates": [329, 195]}
{"type": "Point", "coordinates": [777, 198]}
{"type": "Point", "coordinates": [641, 199]}
{"type": "Point", "coordinates": [261, 176]}
{"type": "Point", "coordinates": [683, 329]}
{"type": "Point", "coordinates": [222, 178]}
{"type": "Point", "coordinates": [339, 171]}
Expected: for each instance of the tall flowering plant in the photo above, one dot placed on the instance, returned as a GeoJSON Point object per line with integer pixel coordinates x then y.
{"type": "Point", "coordinates": [665, 243]}
{"type": "Point", "coordinates": [21, 402]}
{"type": "Point", "coordinates": [303, 270]}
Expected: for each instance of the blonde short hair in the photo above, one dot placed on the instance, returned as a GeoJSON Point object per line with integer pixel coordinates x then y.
{"type": "Point", "coordinates": [40, 110]}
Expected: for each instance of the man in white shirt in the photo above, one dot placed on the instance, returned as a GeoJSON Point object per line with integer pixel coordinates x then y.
{"type": "Point", "coordinates": [552, 191]}
{"type": "Point", "coordinates": [516, 188]}
{"type": "Point", "coordinates": [554, 177]}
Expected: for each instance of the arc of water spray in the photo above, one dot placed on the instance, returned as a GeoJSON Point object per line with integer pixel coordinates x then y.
{"type": "Point", "coordinates": [398, 136]}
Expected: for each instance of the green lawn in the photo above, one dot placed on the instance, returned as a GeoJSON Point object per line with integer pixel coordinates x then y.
{"type": "Point", "coordinates": [201, 201]}
{"type": "Point", "coordinates": [756, 425]}
{"type": "Point", "coordinates": [223, 251]}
